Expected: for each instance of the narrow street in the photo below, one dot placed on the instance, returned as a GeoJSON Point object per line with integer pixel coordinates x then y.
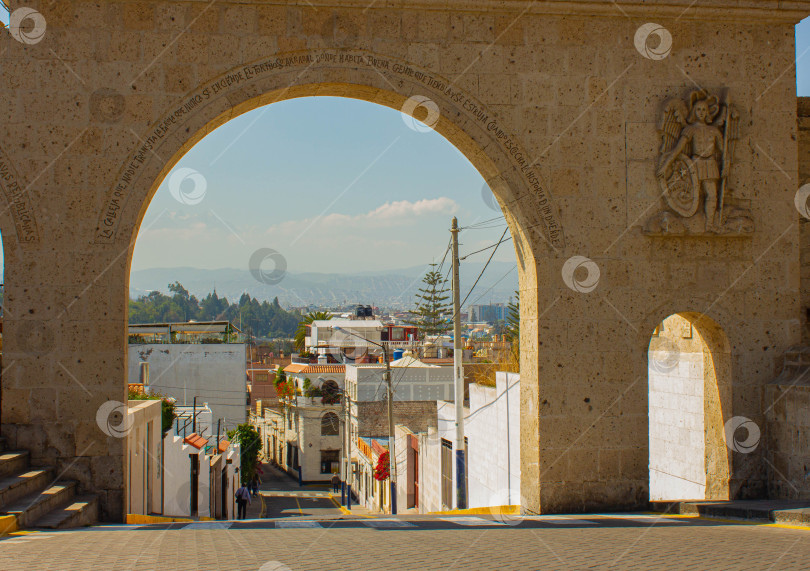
{"type": "Point", "coordinates": [284, 498]}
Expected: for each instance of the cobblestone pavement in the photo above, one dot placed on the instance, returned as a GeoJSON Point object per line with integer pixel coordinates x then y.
{"type": "Point", "coordinates": [427, 542]}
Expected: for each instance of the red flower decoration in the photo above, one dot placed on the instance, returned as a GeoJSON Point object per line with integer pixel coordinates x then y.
{"type": "Point", "coordinates": [381, 472]}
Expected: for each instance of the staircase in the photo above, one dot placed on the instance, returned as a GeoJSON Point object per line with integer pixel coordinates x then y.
{"type": "Point", "coordinates": [35, 499]}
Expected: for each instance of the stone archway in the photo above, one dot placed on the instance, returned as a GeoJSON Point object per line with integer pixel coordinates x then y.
{"type": "Point", "coordinates": [102, 105]}
{"type": "Point", "coordinates": [459, 117]}
{"type": "Point", "coordinates": [690, 386]}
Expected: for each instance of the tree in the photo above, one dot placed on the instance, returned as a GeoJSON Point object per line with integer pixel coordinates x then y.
{"type": "Point", "coordinates": [301, 332]}
{"type": "Point", "coordinates": [250, 445]}
{"type": "Point", "coordinates": [263, 319]}
{"type": "Point", "coordinates": [433, 313]}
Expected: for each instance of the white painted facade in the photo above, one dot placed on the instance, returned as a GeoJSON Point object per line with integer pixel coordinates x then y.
{"type": "Point", "coordinates": [215, 373]}
{"type": "Point", "coordinates": [492, 430]}
{"type": "Point", "coordinates": [143, 463]}
{"type": "Point", "coordinates": [431, 383]}
{"type": "Point", "coordinates": [677, 434]}
{"type": "Point", "coordinates": [493, 447]}
{"type": "Point", "coordinates": [302, 433]}
{"type": "Point", "coordinates": [177, 478]}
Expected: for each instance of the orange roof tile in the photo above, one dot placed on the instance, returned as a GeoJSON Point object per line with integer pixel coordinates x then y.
{"type": "Point", "coordinates": [223, 445]}
{"type": "Point", "coordinates": [195, 440]}
{"type": "Point", "coordinates": [308, 368]}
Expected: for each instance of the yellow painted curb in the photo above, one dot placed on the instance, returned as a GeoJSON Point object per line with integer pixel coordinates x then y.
{"type": "Point", "coordinates": [8, 524]}
{"type": "Point", "coordinates": [493, 510]}
{"type": "Point", "coordinates": [735, 521]}
{"type": "Point", "coordinates": [146, 519]}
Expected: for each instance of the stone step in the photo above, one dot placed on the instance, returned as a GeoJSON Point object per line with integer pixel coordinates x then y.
{"type": "Point", "coordinates": [13, 462]}
{"type": "Point", "coordinates": [25, 482]}
{"type": "Point", "coordinates": [789, 512]}
{"type": "Point", "coordinates": [81, 511]}
{"type": "Point", "coordinates": [32, 507]}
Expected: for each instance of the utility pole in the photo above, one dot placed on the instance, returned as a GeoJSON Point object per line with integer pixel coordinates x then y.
{"type": "Point", "coordinates": [458, 377]}
{"type": "Point", "coordinates": [194, 416]}
{"type": "Point", "coordinates": [347, 451]}
{"type": "Point", "coordinates": [392, 462]}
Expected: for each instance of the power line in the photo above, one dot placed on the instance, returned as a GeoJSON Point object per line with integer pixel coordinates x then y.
{"type": "Point", "coordinates": [484, 269]}
{"type": "Point", "coordinates": [496, 283]}
{"type": "Point", "coordinates": [478, 224]}
{"type": "Point", "coordinates": [488, 247]}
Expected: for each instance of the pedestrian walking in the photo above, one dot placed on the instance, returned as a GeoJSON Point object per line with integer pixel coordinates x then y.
{"type": "Point", "coordinates": [254, 486]}
{"type": "Point", "coordinates": [335, 483]}
{"type": "Point", "coordinates": [242, 500]}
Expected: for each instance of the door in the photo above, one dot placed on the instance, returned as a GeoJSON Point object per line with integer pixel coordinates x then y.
{"type": "Point", "coordinates": [415, 479]}
{"type": "Point", "coordinates": [194, 462]}
{"type": "Point", "coordinates": [447, 474]}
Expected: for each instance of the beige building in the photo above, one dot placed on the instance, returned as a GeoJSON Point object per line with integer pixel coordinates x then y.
{"type": "Point", "coordinates": [144, 457]}
{"type": "Point", "coordinates": [586, 121]}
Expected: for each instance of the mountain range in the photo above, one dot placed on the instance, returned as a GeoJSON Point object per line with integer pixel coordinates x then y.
{"type": "Point", "coordinates": [392, 289]}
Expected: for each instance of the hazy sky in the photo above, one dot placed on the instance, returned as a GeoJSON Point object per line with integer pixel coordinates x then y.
{"type": "Point", "coordinates": [334, 185]}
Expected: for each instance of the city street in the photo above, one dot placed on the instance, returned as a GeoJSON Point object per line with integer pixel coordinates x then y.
{"type": "Point", "coordinates": [428, 542]}
{"type": "Point", "coordinates": [284, 498]}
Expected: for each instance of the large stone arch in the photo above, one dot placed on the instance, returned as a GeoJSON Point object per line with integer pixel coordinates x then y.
{"type": "Point", "coordinates": [565, 79]}
{"type": "Point", "coordinates": [480, 134]}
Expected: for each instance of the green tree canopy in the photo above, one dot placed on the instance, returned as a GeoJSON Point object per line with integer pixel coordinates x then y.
{"type": "Point", "coordinates": [259, 319]}
{"type": "Point", "coordinates": [432, 310]}
{"type": "Point", "coordinates": [250, 445]}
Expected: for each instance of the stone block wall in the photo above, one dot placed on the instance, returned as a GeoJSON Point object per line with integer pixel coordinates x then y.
{"type": "Point", "coordinates": [788, 441]}
{"type": "Point", "coordinates": [554, 104]}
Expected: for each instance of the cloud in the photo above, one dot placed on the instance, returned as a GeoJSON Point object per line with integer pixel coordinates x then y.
{"type": "Point", "coordinates": [398, 213]}
{"type": "Point", "coordinates": [331, 242]}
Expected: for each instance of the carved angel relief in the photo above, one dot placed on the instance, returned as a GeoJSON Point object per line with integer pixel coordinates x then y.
{"type": "Point", "coordinates": [697, 150]}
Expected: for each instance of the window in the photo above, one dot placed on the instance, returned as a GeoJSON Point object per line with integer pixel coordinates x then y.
{"type": "Point", "coordinates": [330, 424]}
{"type": "Point", "coordinates": [330, 461]}
{"type": "Point", "coordinates": [397, 334]}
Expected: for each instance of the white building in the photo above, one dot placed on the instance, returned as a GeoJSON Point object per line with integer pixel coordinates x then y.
{"type": "Point", "coordinates": [426, 460]}
{"type": "Point", "coordinates": [345, 340]}
{"type": "Point", "coordinates": [213, 372]}
{"type": "Point", "coordinates": [186, 474]}
{"type": "Point", "coordinates": [143, 463]}
{"type": "Point", "coordinates": [412, 380]}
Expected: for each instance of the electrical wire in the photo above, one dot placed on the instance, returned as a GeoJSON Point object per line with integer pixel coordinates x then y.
{"type": "Point", "coordinates": [488, 247]}
{"type": "Point", "coordinates": [513, 268]}
{"type": "Point", "coordinates": [484, 269]}
{"type": "Point", "coordinates": [478, 224]}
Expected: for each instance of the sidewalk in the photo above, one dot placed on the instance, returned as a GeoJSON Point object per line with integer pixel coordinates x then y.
{"type": "Point", "coordinates": [357, 509]}
{"type": "Point", "coordinates": [786, 512]}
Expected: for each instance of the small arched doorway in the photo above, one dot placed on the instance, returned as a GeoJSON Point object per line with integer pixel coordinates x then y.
{"type": "Point", "coordinates": [689, 373]}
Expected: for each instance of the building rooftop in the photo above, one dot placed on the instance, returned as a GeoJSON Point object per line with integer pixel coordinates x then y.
{"type": "Point", "coordinates": [298, 368]}
{"type": "Point", "coordinates": [349, 323]}
{"type": "Point", "coordinates": [195, 440]}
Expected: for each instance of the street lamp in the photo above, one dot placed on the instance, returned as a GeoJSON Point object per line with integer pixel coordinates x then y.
{"type": "Point", "coordinates": [392, 465]}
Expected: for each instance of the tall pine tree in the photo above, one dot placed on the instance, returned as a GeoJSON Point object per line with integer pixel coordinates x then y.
{"type": "Point", "coordinates": [433, 312]}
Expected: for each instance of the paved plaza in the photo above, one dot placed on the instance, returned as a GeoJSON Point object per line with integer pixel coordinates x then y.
{"type": "Point", "coordinates": [619, 541]}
